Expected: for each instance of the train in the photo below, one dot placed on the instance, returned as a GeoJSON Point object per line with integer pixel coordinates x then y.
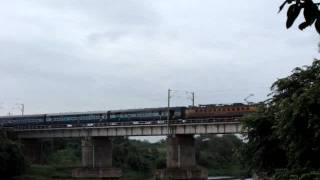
{"type": "Point", "coordinates": [131, 116]}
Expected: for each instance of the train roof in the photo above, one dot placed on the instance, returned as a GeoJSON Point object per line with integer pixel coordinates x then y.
{"type": "Point", "coordinates": [224, 105]}
{"type": "Point", "coordinates": [92, 112]}
{"type": "Point", "coordinates": [145, 109]}
{"type": "Point", "coordinates": [18, 116]}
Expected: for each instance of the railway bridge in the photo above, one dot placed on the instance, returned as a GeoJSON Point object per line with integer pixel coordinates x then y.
{"type": "Point", "coordinates": [97, 145]}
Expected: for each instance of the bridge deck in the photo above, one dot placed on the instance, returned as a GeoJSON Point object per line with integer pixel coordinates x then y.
{"type": "Point", "coordinates": [125, 129]}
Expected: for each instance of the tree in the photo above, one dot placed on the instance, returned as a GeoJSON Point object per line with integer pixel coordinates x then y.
{"type": "Point", "coordinates": [263, 152]}
{"type": "Point", "coordinates": [219, 154]}
{"type": "Point", "coordinates": [285, 132]}
{"type": "Point", "coordinates": [310, 9]}
{"type": "Point", "coordinates": [297, 102]}
{"type": "Point", "coordinates": [12, 161]}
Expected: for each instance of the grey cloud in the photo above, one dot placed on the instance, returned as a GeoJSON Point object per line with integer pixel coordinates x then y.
{"type": "Point", "coordinates": [79, 55]}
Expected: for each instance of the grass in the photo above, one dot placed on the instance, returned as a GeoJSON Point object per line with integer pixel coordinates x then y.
{"type": "Point", "coordinates": [46, 172]}
{"type": "Point", "coordinates": [49, 172]}
{"type": "Point", "coordinates": [233, 171]}
{"type": "Point", "coordinates": [135, 175]}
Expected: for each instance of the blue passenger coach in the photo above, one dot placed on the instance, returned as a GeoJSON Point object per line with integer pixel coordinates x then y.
{"type": "Point", "coordinates": [134, 116]}
{"type": "Point", "coordinates": [8, 121]}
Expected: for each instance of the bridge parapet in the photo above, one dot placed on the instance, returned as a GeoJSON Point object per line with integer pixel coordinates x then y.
{"type": "Point", "coordinates": [133, 130]}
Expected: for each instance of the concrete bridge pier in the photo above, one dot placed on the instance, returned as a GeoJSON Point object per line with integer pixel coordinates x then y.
{"type": "Point", "coordinates": [96, 159]}
{"type": "Point", "coordinates": [181, 160]}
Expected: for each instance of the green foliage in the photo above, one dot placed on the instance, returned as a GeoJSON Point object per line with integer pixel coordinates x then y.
{"type": "Point", "coordinates": [311, 13]}
{"type": "Point", "coordinates": [312, 175]}
{"type": "Point", "coordinates": [139, 159]}
{"type": "Point", "coordinates": [284, 174]}
{"type": "Point", "coordinates": [137, 155]}
{"type": "Point", "coordinates": [12, 161]}
{"type": "Point", "coordinates": [65, 158]}
{"type": "Point", "coordinates": [219, 154]}
{"type": "Point", "coordinates": [285, 132]}
{"type": "Point", "coordinates": [264, 151]}
{"type": "Point", "coordinates": [46, 172]}
{"type": "Point", "coordinates": [297, 99]}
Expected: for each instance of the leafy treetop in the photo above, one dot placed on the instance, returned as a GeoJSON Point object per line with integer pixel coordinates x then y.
{"type": "Point", "coordinates": [285, 131]}
{"type": "Point", "coordinates": [310, 9]}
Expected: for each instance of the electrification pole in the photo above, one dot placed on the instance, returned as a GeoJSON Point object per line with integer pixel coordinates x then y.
{"type": "Point", "coordinates": [169, 99]}
{"type": "Point", "coordinates": [192, 99]}
{"type": "Point", "coordinates": [22, 109]}
{"type": "Point", "coordinates": [168, 116]}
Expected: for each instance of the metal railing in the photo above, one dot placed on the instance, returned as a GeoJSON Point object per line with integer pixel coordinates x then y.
{"type": "Point", "coordinates": [216, 120]}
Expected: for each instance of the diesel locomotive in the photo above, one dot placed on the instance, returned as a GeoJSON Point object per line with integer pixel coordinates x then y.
{"type": "Point", "coordinates": [131, 116]}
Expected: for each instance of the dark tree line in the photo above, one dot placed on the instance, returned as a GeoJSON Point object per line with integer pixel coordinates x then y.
{"type": "Point", "coordinates": [12, 160]}
{"type": "Point", "coordinates": [285, 132]}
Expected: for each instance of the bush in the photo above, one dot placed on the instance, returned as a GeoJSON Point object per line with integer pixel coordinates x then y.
{"type": "Point", "coordinates": [12, 160]}
{"type": "Point", "coordinates": [64, 157]}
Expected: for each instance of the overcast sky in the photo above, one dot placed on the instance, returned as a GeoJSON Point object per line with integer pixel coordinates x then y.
{"type": "Point", "coordinates": [77, 55]}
